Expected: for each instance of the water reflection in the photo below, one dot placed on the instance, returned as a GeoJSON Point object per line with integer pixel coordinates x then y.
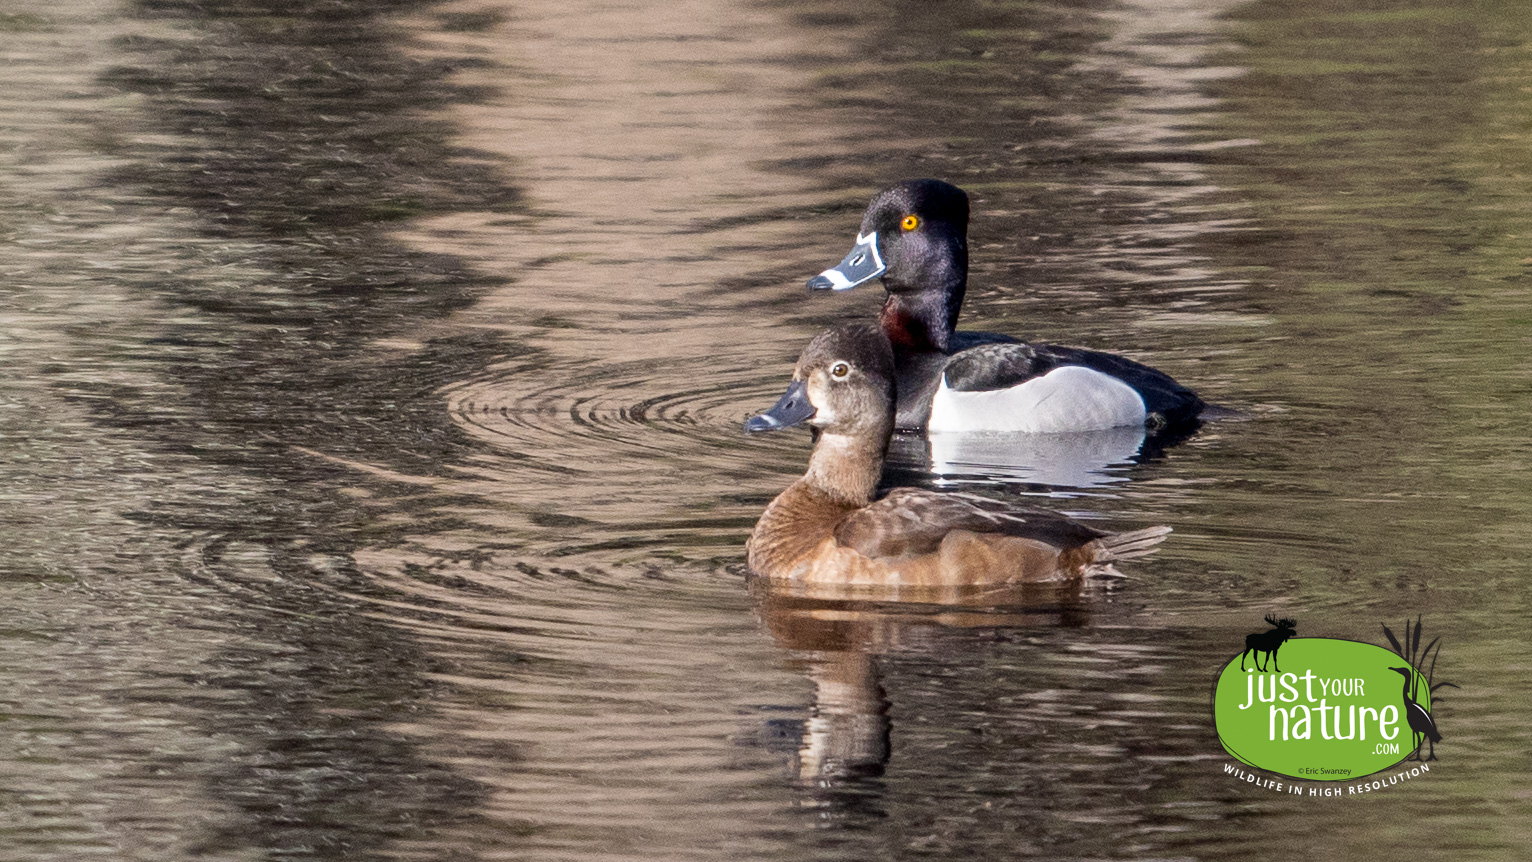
{"type": "Point", "coordinates": [843, 630]}
{"type": "Point", "coordinates": [373, 480]}
{"type": "Point", "coordinates": [1041, 709]}
{"type": "Point", "coordinates": [220, 300]}
{"type": "Point", "coordinates": [1091, 459]}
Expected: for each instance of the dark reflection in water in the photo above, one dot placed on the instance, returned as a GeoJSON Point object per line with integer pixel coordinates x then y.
{"type": "Point", "coordinates": [293, 136]}
{"type": "Point", "coordinates": [300, 133]}
{"type": "Point", "coordinates": [373, 480]}
{"type": "Point", "coordinates": [1063, 723]}
{"type": "Point", "coordinates": [847, 735]}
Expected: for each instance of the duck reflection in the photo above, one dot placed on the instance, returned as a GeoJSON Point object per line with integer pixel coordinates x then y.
{"type": "Point", "coordinates": [1084, 459]}
{"type": "Point", "coordinates": [842, 633]}
{"type": "Point", "coordinates": [846, 735]}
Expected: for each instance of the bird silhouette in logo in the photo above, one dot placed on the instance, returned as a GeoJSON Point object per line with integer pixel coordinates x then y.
{"type": "Point", "coordinates": [1422, 725]}
{"type": "Point", "coordinates": [1268, 642]}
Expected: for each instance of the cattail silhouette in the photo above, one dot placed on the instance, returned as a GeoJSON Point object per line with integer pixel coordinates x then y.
{"type": "Point", "coordinates": [1422, 725]}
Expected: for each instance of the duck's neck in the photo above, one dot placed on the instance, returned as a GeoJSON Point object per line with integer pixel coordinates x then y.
{"type": "Point", "coordinates": [924, 320]}
{"type": "Point", "coordinates": [846, 469]}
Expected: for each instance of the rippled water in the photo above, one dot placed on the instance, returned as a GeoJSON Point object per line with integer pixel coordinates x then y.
{"type": "Point", "coordinates": [372, 477]}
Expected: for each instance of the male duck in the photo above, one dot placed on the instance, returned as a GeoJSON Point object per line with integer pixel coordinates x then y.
{"type": "Point", "coordinates": [826, 528]}
{"type": "Point", "coordinates": [915, 235]}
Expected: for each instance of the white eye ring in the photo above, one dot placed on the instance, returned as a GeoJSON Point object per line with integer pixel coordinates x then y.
{"type": "Point", "coordinates": [840, 371]}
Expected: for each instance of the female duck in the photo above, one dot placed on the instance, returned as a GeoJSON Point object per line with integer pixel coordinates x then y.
{"type": "Point", "coordinates": [827, 529]}
{"type": "Point", "coordinates": [915, 236]}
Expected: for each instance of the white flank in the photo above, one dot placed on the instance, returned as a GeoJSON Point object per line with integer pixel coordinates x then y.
{"type": "Point", "coordinates": [1071, 398]}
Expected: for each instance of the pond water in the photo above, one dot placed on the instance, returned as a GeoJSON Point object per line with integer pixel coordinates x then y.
{"type": "Point", "coordinates": [371, 474]}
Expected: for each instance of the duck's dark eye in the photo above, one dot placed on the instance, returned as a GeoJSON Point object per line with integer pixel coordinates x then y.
{"type": "Point", "coordinates": [840, 371]}
{"type": "Point", "coordinates": [910, 222]}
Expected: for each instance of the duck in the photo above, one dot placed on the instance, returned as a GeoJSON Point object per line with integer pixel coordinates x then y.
{"type": "Point", "coordinates": [831, 527]}
{"type": "Point", "coordinates": [914, 237]}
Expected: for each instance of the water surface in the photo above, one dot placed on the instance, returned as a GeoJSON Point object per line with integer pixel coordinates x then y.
{"type": "Point", "coordinates": [373, 481]}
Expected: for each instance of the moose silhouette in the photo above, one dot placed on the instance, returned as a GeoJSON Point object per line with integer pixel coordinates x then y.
{"type": "Point", "coordinates": [1268, 642]}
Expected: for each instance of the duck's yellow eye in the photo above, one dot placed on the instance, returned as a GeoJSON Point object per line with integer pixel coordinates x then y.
{"type": "Point", "coordinates": [840, 371]}
{"type": "Point", "coordinates": [910, 222]}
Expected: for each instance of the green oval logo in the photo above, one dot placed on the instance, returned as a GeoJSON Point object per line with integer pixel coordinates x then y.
{"type": "Point", "coordinates": [1336, 710]}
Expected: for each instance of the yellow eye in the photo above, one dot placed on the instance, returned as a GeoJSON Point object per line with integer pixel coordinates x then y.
{"type": "Point", "coordinates": [910, 222]}
{"type": "Point", "coordinates": [840, 371]}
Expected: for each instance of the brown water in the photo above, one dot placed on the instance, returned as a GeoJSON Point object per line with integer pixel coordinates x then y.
{"type": "Point", "coordinates": [372, 477]}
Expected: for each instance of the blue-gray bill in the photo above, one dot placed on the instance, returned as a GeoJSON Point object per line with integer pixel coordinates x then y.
{"type": "Point", "coordinates": [791, 409]}
{"type": "Point", "coordinates": [863, 264]}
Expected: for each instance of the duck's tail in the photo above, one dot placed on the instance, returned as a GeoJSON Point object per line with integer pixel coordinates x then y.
{"type": "Point", "coordinates": [1126, 546]}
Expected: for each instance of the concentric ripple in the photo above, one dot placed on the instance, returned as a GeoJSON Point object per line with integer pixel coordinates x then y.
{"type": "Point", "coordinates": [604, 456]}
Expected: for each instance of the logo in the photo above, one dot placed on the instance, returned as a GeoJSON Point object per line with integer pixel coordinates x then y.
{"type": "Point", "coordinates": [1340, 711]}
